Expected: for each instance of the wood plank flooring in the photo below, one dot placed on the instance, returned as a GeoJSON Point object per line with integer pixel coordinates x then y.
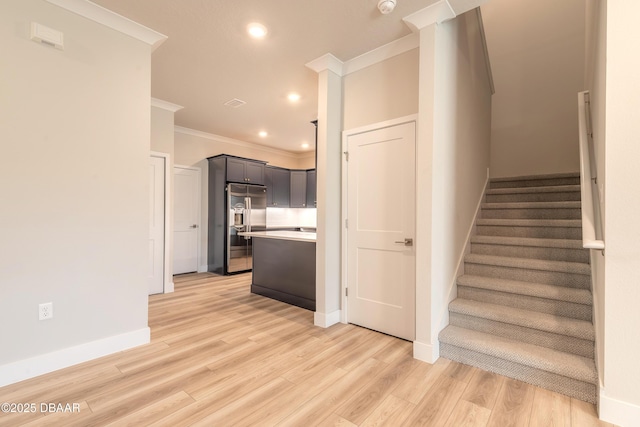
{"type": "Point", "coordinates": [221, 356]}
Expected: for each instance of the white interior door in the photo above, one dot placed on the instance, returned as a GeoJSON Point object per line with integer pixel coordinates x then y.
{"type": "Point", "coordinates": [381, 218]}
{"type": "Point", "coordinates": [186, 224]}
{"type": "Point", "coordinates": [156, 225]}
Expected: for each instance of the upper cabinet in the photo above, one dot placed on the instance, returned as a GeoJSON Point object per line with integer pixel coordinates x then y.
{"type": "Point", "coordinates": [298, 189]}
{"type": "Point", "coordinates": [278, 184]}
{"type": "Point", "coordinates": [311, 188]}
{"type": "Point", "coordinates": [285, 188]}
{"type": "Point", "coordinates": [245, 171]}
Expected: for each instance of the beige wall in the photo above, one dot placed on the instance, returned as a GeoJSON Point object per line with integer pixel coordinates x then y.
{"type": "Point", "coordinates": [74, 185]}
{"type": "Point", "coordinates": [537, 75]}
{"type": "Point", "coordinates": [383, 91]}
{"type": "Point", "coordinates": [193, 147]}
{"type": "Point", "coordinates": [453, 157]}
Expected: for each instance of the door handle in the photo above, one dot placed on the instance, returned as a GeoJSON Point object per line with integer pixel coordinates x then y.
{"type": "Point", "coordinates": [193, 226]}
{"type": "Point", "coordinates": [406, 242]}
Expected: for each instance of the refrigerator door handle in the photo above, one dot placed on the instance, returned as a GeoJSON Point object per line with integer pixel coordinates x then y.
{"type": "Point", "coordinates": [247, 207]}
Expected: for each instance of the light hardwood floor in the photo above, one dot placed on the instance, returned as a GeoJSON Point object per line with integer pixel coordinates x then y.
{"type": "Point", "coordinates": [220, 356]}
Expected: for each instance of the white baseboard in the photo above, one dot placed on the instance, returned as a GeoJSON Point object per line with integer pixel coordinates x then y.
{"type": "Point", "coordinates": [618, 412]}
{"type": "Point", "coordinates": [426, 352]}
{"type": "Point", "coordinates": [324, 320]}
{"type": "Point", "coordinates": [203, 268]}
{"type": "Point", "coordinates": [49, 362]}
{"type": "Point", "coordinates": [169, 287]}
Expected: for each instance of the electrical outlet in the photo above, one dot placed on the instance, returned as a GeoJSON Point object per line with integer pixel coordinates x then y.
{"type": "Point", "coordinates": [45, 310]}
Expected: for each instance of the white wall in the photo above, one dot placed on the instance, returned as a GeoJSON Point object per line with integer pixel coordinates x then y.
{"type": "Point", "coordinates": [383, 91]}
{"type": "Point", "coordinates": [192, 148]}
{"type": "Point", "coordinates": [74, 130]}
{"type": "Point", "coordinates": [537, 57]}
{"type": "Point", "coordinates": [621, 401]}
{"type": "Point", "coordinates": [162, 133]}
{"type": "Point", "coordinates": [453, 157]}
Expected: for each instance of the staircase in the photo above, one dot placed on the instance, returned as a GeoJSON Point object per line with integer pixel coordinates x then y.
{"type": "Point", "coordinates": [524, 303]}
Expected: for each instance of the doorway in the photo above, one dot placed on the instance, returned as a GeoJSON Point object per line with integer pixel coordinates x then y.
{"type": "Point", "coordinates": [380, 228]}
{"type": "Point", "coordinates": [186, 225]}
{"type": "Point", "coordinates": [157, 224]}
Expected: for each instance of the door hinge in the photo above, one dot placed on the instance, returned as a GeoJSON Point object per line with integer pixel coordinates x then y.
{"type": "Point", "coordinates": [346, 153]}
{"type": "Point", "coordinates": [346, 223]}
{"type": "Point", "coordinates": [346, 292]}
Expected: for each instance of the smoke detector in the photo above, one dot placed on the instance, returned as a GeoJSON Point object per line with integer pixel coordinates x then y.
{"type": "Point", "coordinates": [386, 6]}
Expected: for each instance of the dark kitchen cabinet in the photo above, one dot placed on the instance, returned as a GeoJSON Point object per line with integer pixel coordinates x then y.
{"type": "Point", "coordinates": [278, 184]}
{"type": "Point", "coordinates": [311, 188]}
{"type": "Point", "coordinates": [245, 171]}
{"type": "Point", "coordinates": [298, 197]}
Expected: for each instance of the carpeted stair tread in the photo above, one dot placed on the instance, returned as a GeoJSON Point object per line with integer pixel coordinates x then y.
{"type": "Point", "coordinates": [542, 189]}
{"type": "Point", "coordinates": [546, 359]}
{"type": "Point", "coordinates": [528, 241]}
{"type": "Point", "coordinates": [537, 177]}
{"type": "Point", "coordinates": [532, 205]}
{"type": "Point", "coordinates": [552, 292]}
{"type": "Point", "coordinates": [531, 264]}
{"type": "Point", "coordinates": [563, 223]}
{"type": "Point", "coordinates": [525, 318]}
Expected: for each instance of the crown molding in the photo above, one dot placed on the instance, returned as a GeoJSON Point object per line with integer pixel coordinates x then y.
{"type": "Point", "coordinates": [327, 62]}
{"type": "Point", "coordinates": [165, 105]}
{"type": "Point", "coordinates": [307, 155]}
{"type": "Point", "coordinates": [441, 11]}
{"type": "Point", "coordinates": [112, 20]}
{"type": "Point", "coordinates": [245, 144]}
{"type": "Point", "coordinates": [389, 50]}
{"type": "Point", "coordinates": [433, 14]}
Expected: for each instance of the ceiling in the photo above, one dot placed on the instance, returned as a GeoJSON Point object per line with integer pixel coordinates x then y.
{"type": "Point", "coordinates": [209, 59]}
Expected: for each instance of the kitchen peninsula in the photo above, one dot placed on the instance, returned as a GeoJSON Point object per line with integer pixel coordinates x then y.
{"type": "Point", "coordinates": [284, 266]}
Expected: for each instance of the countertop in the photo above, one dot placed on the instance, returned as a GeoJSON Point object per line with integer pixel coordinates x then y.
{"type": "Point", "coordinates": [300, 236]}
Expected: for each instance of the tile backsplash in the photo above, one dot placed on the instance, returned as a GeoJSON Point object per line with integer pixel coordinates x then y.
{"type": "Point", "coordinates": [291, 217]}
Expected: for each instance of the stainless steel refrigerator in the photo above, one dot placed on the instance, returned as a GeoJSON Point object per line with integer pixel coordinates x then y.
{"type": "Point", "coordinates": [246, 207]}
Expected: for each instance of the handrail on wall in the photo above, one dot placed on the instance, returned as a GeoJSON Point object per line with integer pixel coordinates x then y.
{"type": "Point", "coordinates": [590, 203]}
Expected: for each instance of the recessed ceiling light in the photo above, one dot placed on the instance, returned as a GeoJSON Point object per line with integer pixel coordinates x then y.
{"type": "Point", "coordinates": [305, 145]}
{"type": "Point", "coordinates": [294, 97]}
{"type": "Point", "coordinates": [257, 30]}
{"type": "Point", "coordinates": [263, 134]}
